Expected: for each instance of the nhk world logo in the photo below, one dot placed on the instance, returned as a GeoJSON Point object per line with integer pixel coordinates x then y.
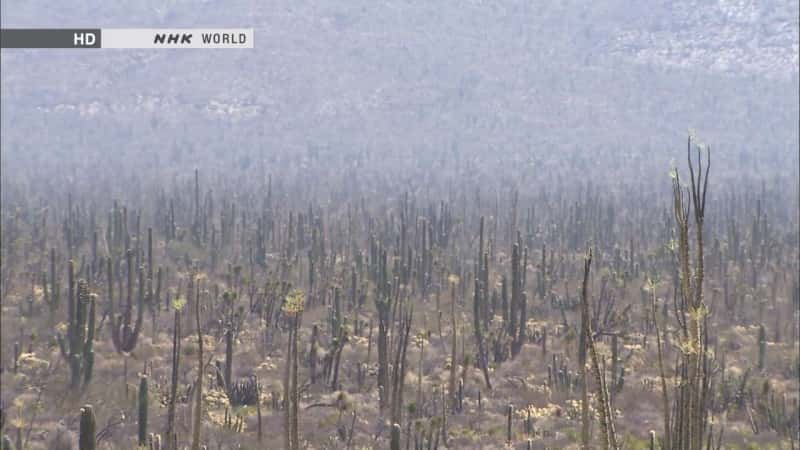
{"type": "Point", "coordinates": [187, 38]}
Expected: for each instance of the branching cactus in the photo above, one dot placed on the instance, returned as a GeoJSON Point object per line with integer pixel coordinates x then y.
{"type": "Point", "coordinates": [77, 348]}
{"type": "Point", "coordinates": [123, 334]}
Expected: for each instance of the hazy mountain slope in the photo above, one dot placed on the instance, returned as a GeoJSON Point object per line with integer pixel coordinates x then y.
{"type": "Point", "coordinates": [403, 77]}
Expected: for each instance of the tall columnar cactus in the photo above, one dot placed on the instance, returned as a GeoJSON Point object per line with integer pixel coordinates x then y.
{"type": "Point", "coordinates": [453, 346]}
{"type": "Point", "coordinates": [86, 440]}
{"type": "Point", "coordinates": [171, 434]}
{"type": "Point", "coordinates": [509, 416]}
{"type": "Point", "coordinates": [143, 411]}
{"type": "Point", "coordinates": [293, 308]}
{"type": "Point", "coordinates": [479, 300]}
{"type": "Point", "coordinates": [312, 355]}
{"type": "Point", "coordinates": [395, 437]}
{"type": "Point", "coordinates": [77, 348]}
{"type": "Point", "coordinates": [197, 418]}
{"type": "Point", "coordinates": [123, 334]}
{"type": "Point", "coordinates": [383, 304]}
{"type": "Point", "coordinates": [53, 296]}
{"type": "Point", "coordinates": [228, 358]}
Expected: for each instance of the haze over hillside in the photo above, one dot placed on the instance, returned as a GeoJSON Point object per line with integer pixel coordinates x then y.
{"type": "Point", "coordinates": [404, 78]}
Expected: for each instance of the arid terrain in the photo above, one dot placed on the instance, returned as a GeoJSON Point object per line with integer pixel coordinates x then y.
{"type": "Point", "coordinates": [404, 225]}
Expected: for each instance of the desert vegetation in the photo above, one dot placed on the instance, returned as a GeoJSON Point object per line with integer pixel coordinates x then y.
{"type": "Point", "coordinates": [303, 302]}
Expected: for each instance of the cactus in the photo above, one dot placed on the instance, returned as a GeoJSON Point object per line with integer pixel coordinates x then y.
{"type": "Point", "coordinates": [453, 345]}
{"type": "Point", "coordinates": [399, 367]}
{"type": "Point", "coordinates": [244, 392]}
{"type": "Point", "coordinates": [86, 440]}
{"type": "Point", "coordinates": [479, 301]}
{"type": "Point", "coordinates": [229, 299]}
{"type": "Point", "coordinates": [124, 336]}
{"type": "Point", "coordinates": [312, 355]}
{"type": "Point", "coordinates": [142, 410]}
{"type": "Point", "coordinates": [509, 416]}
{"type": "Point", "coordinates": [293, 308]}
{"type": "Point", "coordinates": [171, 432]}
{"type": "Point", "coordinates": [395, 437]}
{"type": "Point", "coordinates": [762, 346]}
{"type": "Point", "coordinates": [16, 357]}
{"type": "Point", "coordinates": [53, 296]}
{"type": "Point", "coordinates": [383, 306]}
{"type": "Point", "coordinates": [197, 419]}
{"type": "Point", "coordinates": [228, 358]}
{"type": "Point", "coordinates": [154, 441]}
{"type": "Point", "coordinates": [77, 348]}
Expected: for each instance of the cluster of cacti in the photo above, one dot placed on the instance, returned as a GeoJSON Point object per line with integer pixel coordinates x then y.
{"type": "Point", "coordinates": [244, 392]}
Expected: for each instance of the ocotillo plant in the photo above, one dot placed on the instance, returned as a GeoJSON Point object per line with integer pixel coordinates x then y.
{"type": "Point", "coordinates": [607, 427]}
{"type": "Point", "coordinates": [691, 414]}
{"type": "Point", "coordinates": [77, 348]}
{"type": "Point", "coordinates": [582, 344]}
{"type": "Point", "coordinates": [86, 440]}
